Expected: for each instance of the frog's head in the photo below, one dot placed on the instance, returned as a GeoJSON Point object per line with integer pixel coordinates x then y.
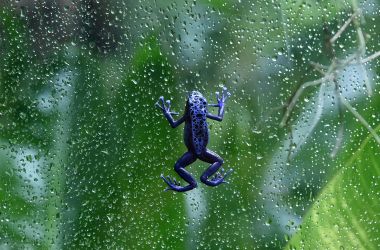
{"type": "Point", "coordinates": [196, 99]}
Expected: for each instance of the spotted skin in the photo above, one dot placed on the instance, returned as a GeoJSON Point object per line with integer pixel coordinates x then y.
{"type": "Point", "coordinates": [196, 136]}
{"type": "Point", "coordinates": [197, 113]}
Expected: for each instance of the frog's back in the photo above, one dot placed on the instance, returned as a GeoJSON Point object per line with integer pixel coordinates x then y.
{"type": "Point", "coordinates": [197, 108]}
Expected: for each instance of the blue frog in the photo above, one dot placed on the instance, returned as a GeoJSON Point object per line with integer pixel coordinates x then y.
{"type": "Point", "coordinates": [196, 136]}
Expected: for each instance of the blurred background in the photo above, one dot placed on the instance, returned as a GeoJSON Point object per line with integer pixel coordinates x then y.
{"type": "Point", "coordinates": [82, 145]}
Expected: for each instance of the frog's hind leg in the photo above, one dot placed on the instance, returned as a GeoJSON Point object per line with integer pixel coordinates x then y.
{"type": "Point", "coordinates": [179, 167]}
{"type": "Point", "coordinates": [216, 162]}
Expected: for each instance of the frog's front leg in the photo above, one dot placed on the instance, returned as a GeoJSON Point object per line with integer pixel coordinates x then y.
{"type": "Point", "coordinates": [216, 162]}
{"type": "Point", "coordinates": [220, 104]}
{"type": "Point", "coordinates": [168, 113]}
{"type": "Point", "coordinates": [179, 167]}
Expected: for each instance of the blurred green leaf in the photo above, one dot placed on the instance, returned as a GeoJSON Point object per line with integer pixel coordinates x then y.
{"type": "Point", "coordinates": [29, 213]}
{"type": "Point", "coordinates": [347, 212]}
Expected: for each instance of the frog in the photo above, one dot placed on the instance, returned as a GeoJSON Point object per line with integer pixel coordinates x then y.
{"type": "Point", "coordinates": [196, 138]}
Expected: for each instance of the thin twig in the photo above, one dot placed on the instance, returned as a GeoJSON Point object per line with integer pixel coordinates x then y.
{"type": "Point", "coordinates": [361, 119]}
{"type": "Point", "coordinates": [371, 57]}
{"type": "Point", "coordinates": [298, 93]}
{"type": "Point", "coordinates": [319, 67]}
{"type": "Point", "coordinates": [330, 74]}
{"type": "Point", "coordinates": [342, 29]}
{"type": "Point", "coordinates": [361, 41]}
{"type": "Point", "coordinates": [291, 144]}
{"type": "Point", "coordinates": [361, 52]}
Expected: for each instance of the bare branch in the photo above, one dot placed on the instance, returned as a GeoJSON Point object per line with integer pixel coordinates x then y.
{"type": "Point", "coordinates": [361, 119]}
{"type": "Point", "coordinates": [296, 96]}
{"type": "Point", "coordinates": [343, 28]}
{"type": "Point", "coordinates": [330, 73]}
{"type": "Point", "coordinates": [371, 57]}
{"type": "Point", "coordinates": [361, 41]}
{"type": "Point", "coordinates": [319, 67]}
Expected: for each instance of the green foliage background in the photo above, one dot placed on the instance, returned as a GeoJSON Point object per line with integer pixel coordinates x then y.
{"type": "Point", "coordinates": [82, 145]}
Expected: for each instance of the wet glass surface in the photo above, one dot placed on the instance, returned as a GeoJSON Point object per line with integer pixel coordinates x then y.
{"type": "Point", "coordinates": [82, 144]}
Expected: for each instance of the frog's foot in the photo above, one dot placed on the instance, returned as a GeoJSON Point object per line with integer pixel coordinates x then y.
{"type": "Point", "coordinates": [220, 177]}
{"type": "Point", "coordinates": [174, 185]}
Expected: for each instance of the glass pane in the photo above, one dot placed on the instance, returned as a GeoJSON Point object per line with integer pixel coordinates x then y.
{"type": "Point", "coordinates": [285, 155]}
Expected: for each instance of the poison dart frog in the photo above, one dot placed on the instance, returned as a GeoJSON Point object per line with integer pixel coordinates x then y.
{"type": "Point", "coordinates": [196, 137]}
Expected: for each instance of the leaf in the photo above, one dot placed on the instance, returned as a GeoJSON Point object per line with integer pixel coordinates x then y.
{"type": "Point", "coordinates": [30, 175]}
{"type": "Point", "coordinates": [347, 213]}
